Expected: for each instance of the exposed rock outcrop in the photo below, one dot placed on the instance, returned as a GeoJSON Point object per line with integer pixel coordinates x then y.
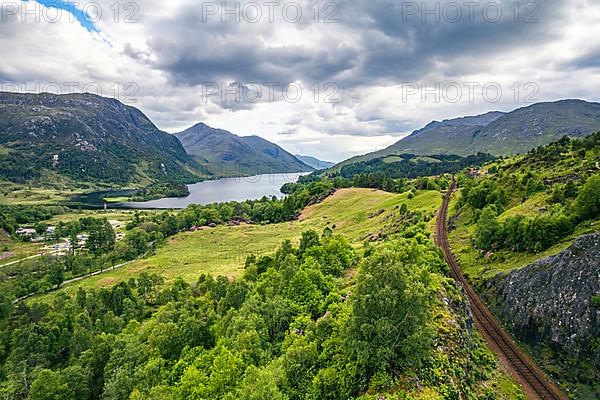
{"type": "Point", "coordinates": [548, 306]}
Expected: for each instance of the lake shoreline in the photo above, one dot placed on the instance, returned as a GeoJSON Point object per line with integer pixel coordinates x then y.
{"type": "Point", "coordinates": [206, 192]}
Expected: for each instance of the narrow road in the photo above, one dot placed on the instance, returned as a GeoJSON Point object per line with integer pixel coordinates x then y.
{"type": "Point", "coordinates": [30, 258]}
{"type": "Point", "coordinates": [533, 380]}
{"type": "Point", "coordinates": [73, 280]}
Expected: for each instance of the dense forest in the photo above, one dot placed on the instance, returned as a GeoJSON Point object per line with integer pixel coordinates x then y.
{"type": "Point", "coordinates": [161, 190]}
{"type": "Point", "coordinates": [289, 328]}
{"type": "Point", "coordinates": [413, 166]}
{"type": "Point", "coordinates": [398, 174]}
{"type": "Point", "coordinates": [372, 180]}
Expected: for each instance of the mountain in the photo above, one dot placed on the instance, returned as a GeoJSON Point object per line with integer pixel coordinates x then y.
{"type": "Point", "coordinates": [315, 162]}
{"type": "Point", "coordinates": [224, 154]}
{"type": "Point", "coordinates": [86, 138]}
{"type": "Point", "coordinates": [525, 128]}
{"type": "Point", "coordinates": [499, 133]}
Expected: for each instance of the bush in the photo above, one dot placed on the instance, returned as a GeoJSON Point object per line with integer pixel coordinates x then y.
{"type": "Point", "coordinates": [519, 233]}
{"type": "Point", "coordinates": [588, 200]}
{"type": "Point", "coordinates": [596, 301]}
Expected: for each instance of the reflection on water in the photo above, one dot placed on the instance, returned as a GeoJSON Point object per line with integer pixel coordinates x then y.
{"type": "Point", "coordinates": [222, 190]}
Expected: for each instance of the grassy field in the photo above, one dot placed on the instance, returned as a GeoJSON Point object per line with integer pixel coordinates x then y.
{"type": "Point", "coordinates": [36, 196]}
{"type": "Point", "coordinates": [112, 215]}
{"type": "Point", "coordinates": [12, 250]}
{"type": "Point", "coordinates": [223, 250]}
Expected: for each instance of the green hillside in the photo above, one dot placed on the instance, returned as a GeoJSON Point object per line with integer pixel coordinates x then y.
{"type": "Point", "coordinates": [541, 184]}
{"type": "Point", "coordinates": [224, 154]}
{"type": "Point", "coordinates": [86, 138]}
{"type": "Point", "coordinates": [310, 314]}
{"type": "Point", "coordinates": [513, 215]}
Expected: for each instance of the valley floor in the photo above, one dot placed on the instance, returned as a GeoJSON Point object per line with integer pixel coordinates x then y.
{"type": "Point", "coordinates": [352, 213]}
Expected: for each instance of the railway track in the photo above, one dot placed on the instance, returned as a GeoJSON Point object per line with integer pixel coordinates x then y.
{"type": "Point", "coordinates": [534, 381]}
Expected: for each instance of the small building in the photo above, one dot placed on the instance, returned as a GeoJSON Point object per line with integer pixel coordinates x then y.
{"type": "Point", "coordinates": [29, 232]}
{"type": "Point", "coordinates": [474, 173]}
{"type": "Point", "coordinates": [115, 224]}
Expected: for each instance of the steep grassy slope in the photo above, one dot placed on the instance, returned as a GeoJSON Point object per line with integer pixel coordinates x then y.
{"type": "Point", "coordinates": [86, 138]}
{"type": "Point", "coordinates": [536, 184]}
{"type": "Point", "coordinates": [224, 154]}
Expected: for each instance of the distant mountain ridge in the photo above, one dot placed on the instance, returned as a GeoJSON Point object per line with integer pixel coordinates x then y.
{"type": "Point", "coordinates": [223, 153]}
{"type": "Point", "coordinates": [498, 133]}
{"type": "Point", "coordinates": [315, 162]}
{"type": "Point", "coordinates": [86, 138]}
{"type": "Point", "coordinates": [461, 122]}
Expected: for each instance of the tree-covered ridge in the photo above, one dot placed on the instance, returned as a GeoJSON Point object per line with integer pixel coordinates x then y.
{"type": "Point", "coordinates": [372, 180]}
{"type": "Point", "coordinates": [289, 328]}
{"type": "Point", "coordinates": [412, 166]}
{"type": "Point", "coordinates": [397, 173]}
{"type": "Point", "coordinates": [160, 190]}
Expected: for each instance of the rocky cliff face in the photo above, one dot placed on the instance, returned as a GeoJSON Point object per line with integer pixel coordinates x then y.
{"type": "Point", "coordinates": [548, 306]}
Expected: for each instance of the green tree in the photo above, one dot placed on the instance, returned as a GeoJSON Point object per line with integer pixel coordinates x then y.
{"type": "Point", "coordinates": [41, 228]}
{"type": "Point", "coordinates": [77, 382]}
{"type": "Point", "coordinates": [101, 238]}
{"type": "Point", "coordinates": [308, 240]}
{"type": "Point", "coordinates": [588, 200]}
{"type": "Point", "coordinates": [389, 328]}
{"type": "Point", "coordinates": [49, 385]}
{"type": "Point", "coordinates": [138, 239]}
{"type": "Point", "coordinates": [57, 274]}
{"type": "Point", "coordinates": [261, 384]}
{"type": "Point", "coordinates": [488, 231]}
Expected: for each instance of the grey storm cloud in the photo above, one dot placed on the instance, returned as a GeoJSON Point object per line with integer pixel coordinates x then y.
{"type": "Point", "coordinates": [386, 41]}
{"type": "Point", "coordinates": [589, 60]}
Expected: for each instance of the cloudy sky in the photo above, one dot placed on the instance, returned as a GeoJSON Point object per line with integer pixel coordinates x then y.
{"type": "Point", "coordinates": [330, 79]}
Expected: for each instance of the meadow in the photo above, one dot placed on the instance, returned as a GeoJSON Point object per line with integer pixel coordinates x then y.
{"type": "Point", "coordinates": [352, 213]}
